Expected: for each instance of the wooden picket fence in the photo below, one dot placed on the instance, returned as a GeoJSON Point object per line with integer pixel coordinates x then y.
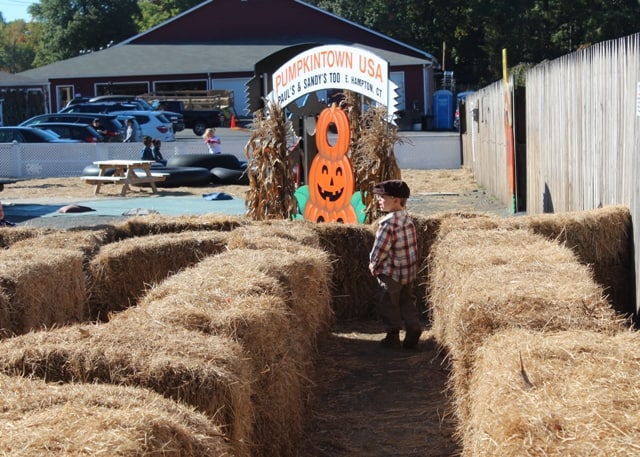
{"type": "Point", "coordinates": [581, 148]}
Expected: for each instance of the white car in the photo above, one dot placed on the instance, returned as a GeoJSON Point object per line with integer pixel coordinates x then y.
{"type": "Point", "coordinates": [153, 123]}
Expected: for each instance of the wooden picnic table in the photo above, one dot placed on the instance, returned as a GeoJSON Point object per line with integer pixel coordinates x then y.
{"type": "Point", "coordinates": [124, 173]}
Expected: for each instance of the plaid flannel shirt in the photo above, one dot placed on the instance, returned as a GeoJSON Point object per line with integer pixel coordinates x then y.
{"type": "Point", "coordinates": [395, 250]}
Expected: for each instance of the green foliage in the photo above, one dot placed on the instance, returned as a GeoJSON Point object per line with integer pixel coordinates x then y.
{"type": "Point", "coordinates": [476, 31]}
{"type": "Point", "coordinates": [155, 12]}
{"type": "Point", "coordinates": [72, 27]}
{"type": "Point", "coordinates": [466, 36]}
{"type": "Point", "coordinates": [16, 46]}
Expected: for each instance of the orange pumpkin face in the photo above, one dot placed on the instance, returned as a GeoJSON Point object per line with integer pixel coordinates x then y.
{"type": "Point", "coordinates": [331, 178]}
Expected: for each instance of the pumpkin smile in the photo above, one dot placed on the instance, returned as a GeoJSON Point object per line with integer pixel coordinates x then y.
{"type": "Point", "coordinates": [328, 195]}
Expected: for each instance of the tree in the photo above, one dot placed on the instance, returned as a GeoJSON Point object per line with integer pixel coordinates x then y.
{"type": "Point", "coordinates": [17, 50]}
{"type": "Point", "coordinates": [82, 25]}
{"type": "Point", "coordinates": [476, 31]}
{"type": "Point", "coordinates": [156, 11]}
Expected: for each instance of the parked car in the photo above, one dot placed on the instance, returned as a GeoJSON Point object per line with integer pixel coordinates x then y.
{"type": "Point", "coordinates": [76, 100]}
{"type": "Point", "coordinates": [18, 134]}
{"type": "Point", "coordinates": [197, 120]}
{"type": "Point", "coordinates": [82, 132]}
{"type": "Point", "coordinates": [114, 128]}
{"type": "Point", "coordinates": [153, 123]}
{"type": "Point", "coordinates": [174, 116]}
{"type": "Point", "coordinates": [105, 107]}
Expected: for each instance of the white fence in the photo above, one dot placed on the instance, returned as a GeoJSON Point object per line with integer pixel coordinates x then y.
{"type": "Point", "coordinates": [582, 134]}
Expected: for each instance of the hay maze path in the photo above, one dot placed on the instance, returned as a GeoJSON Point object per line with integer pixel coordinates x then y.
{"type": "Point", "coordinates": [376, 402]}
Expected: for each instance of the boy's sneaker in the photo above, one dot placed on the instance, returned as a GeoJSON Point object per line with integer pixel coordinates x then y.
{"type": "Point", "coordinates": [411, 338]}
{"type": "Point", "coordinates": [391, 341]}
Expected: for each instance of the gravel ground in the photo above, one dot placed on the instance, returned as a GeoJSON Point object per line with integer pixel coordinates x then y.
{"type": "Point", "coordinates": [432, 191]}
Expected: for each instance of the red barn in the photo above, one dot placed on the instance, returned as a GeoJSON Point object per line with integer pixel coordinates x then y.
{"type": "Point", "coordinates": [216, 46]}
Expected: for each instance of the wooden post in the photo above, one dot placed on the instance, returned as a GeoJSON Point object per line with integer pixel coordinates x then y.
{"type": "Point", "coordinates": [508, 129]}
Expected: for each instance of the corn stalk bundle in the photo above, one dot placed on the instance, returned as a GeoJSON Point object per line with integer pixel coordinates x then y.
{"type": "Point", "coordinates": [270, 168]}
{"type": "Point", "coordinates": [372, 154]}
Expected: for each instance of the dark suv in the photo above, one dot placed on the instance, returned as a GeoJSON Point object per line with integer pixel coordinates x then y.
{"type": "Point", "coordinates": [114, 128]}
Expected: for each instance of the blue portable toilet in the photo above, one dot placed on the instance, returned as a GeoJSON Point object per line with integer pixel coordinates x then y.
{"type": "Point", "coordinates": [443, 110]}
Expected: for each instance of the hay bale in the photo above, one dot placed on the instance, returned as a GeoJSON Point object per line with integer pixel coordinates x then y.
{"type": "Point", "coordinates": [6, 327]}
{"type": "Point", "coordinates": [301, 279]}
{"type": "Point", "coordinates": [122, 272]}
{"type": "Point", "coordinates": [354, 289]}
{"type": "Point", "coordinates": [11, 235]}
{"type": "Point", "coordinates": [486, 280]}
{"type": "Point", "coordinates": [281, 234]}
{"type": "Point", "coordinates": [208, 372]}
{"type": "Point", "coordinates": [86, 420]}
{"type": "Point", "coordinates": [42, 288]}
{"type": "Point", "coordinates": [86, 241]}
{"type": "Point", "coordinates": [155, 224]}
{"type": "Point", "coordinates": [276, 348]}
{"type": "Point", "coordinates": [274, 303]}
{"type": "Point", "coordinates": [583, 400]}
{"type": "Point", "coordinates": [601, 238]}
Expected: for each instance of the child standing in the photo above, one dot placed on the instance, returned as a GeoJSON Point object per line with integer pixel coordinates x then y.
{"type": "Point", "coordinates": [212, 141]}
{"type": "Point", "coordinates": [393, 260]}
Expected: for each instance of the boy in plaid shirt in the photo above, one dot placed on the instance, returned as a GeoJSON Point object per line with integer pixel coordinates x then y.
{"type": "Point", "coordinates": [394, 262]}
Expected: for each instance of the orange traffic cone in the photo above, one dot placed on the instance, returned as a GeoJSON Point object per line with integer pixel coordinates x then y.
{"type": "Point", "coordinates": [233, 122]}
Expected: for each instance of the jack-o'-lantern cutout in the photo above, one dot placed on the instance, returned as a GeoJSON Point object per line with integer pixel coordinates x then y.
{"type": "Point", "coordinates": [331, 177]}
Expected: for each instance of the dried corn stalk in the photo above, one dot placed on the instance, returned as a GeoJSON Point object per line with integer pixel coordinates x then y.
{"type": "Point", "coordinates": [372, 155]}
{"type": "Point", "coordinates": [270, 169]}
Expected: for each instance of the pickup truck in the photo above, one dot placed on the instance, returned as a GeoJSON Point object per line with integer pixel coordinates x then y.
{"type": "Point", "coordinates": [197, 120]}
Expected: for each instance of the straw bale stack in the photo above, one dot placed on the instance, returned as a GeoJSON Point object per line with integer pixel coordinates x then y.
{"type": "Point", "coordinates": [39, 419]}
{"type": "Point", "coordinates": [354, 288]}
{"type": "Point", "coordinates": [278, 234]}
{"type": "Point", "coordinates": [486, 280]}
{"type": "Point", "coordinates": [582, 398]}
{"type": "Point", "coordinates": [10, 235]}
{"type": "Point", "coordinates": [122, 272]}
{"type": "Point", "coordinates": [601, 238]}
{"type": "Point", "coordinates": [274, 303]}
{"type": "Point", "coordinates": [275, 348]}
{"type": "Point", "coordinates": [41, 288]}
{"type": "Point", "coordinates": [155, 224]}
{"type": "Point", "coordinates": [208, 372]}
{"type": "Point", "coordinates": [88, 242]}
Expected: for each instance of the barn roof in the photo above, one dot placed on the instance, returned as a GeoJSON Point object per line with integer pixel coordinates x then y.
{"type": "Point", "coordinates": [227, 36]}
{"type": "Point", "coordinates": [177, 59]}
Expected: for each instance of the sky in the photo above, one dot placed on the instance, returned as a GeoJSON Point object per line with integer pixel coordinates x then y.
{"type": "Point", "coordinates": [15, 9]}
